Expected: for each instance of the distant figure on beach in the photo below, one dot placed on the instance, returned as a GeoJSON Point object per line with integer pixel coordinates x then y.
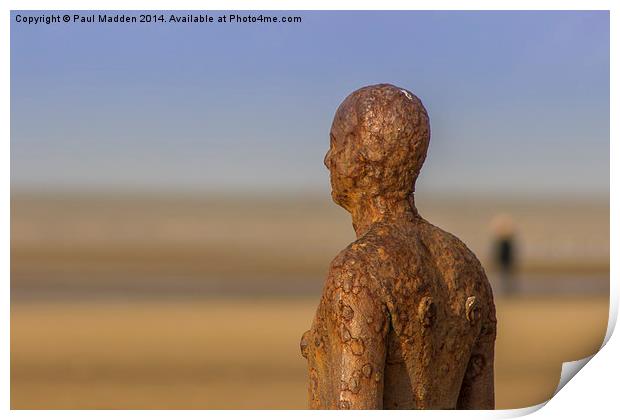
{"type": "Point", "coordinates": [406, 319]}
{"type": "Point", "coordinates": [504, 249]}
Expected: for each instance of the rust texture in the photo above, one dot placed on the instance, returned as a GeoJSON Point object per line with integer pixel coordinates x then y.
{"type": "Point", "coordinates": [406, 319]}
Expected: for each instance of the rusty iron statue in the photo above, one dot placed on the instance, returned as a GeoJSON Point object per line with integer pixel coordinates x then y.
{"type": "Point", "coordinates": [406, 319]}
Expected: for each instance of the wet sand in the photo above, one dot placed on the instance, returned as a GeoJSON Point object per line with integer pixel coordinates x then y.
{"type": "Point", "coordinates": [271, 237]}
{"type": "Point", "coordinates": [92, 247]}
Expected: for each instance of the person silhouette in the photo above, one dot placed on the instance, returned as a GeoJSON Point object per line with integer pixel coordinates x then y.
{"type": "Point", "coordinates": [406, 319]}
{"type": "Point", "coordinates": [504, 252]}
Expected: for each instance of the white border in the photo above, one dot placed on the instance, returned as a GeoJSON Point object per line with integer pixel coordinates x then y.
{"type": "Point", "coordinates": [594, 393]}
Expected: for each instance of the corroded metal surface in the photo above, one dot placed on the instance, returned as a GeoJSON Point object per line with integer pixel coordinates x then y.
{"type": "Point", "coordinates": [406, 319]}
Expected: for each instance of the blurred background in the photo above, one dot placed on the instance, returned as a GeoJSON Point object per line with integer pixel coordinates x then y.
{"type": "Point", "coordinates": [171, 222]}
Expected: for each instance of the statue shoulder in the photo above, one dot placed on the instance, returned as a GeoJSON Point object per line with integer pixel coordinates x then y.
{"type": "Point", "coordinates": [356, 267]}
{"type": "Point", "coordinates": [445, 244]}
{"type": "Point", "coordinates": [353, 291]}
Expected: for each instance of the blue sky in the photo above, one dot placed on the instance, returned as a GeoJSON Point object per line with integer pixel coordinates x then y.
{"type": "Point", "coordinates": [518, 101]}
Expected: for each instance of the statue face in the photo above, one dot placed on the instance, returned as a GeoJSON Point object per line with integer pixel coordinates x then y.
{"type": "Point", "coordinates": [329, 161]}
{"type": "Point", "coordinates": [341, 166]}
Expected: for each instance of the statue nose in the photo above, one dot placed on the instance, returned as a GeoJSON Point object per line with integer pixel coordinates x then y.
{"type": "Point", "coordinates": [328, 159]}
{"type": "Point", "coordinates": [303, 344]}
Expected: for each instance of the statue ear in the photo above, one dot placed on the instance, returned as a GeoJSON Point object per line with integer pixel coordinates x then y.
{"type": "Point", "coordinates": [374, 150]}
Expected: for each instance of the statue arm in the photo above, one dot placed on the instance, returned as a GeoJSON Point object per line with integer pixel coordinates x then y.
{"type": "Point", "coordinates": [477, 389]}
{"type": "Point", "coordinates": [359, 330]}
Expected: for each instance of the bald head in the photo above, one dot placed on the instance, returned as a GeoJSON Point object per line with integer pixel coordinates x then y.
{"type": "Point", "coordinates": [378, 143]}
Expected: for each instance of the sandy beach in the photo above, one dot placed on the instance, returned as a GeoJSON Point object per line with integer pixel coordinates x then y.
{"type": "Point", "coordinates": [177, 302]}
{"type": "Point", "coordinates": [244, 353]}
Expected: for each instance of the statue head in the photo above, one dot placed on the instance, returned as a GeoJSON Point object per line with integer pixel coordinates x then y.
{"type": "Point", "coordinates": [378, 143]}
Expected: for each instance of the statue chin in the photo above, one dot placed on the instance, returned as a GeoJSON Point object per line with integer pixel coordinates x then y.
{"type": "Point", "coordinates": [339, 199]}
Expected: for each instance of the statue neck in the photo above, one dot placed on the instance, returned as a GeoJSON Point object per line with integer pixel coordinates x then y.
{"type": "Point", "coordinates": [367, 212]}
